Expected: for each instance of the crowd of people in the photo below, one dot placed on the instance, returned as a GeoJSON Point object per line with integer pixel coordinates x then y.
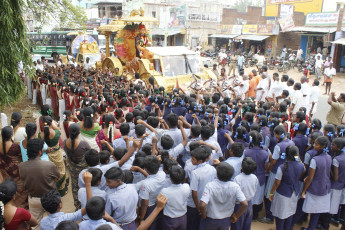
{"type": "Point", "coordinates": [139, 157]}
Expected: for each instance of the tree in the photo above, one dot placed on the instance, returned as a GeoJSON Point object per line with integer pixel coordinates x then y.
{"type": "Point", "coordinates": [62, 11]}
{"type": "Point", "coordinates": [241, 5]}
{"type": "Point", "coordinates": [14, 43]}
{"type": "Point", "coordinates": [14, 47]}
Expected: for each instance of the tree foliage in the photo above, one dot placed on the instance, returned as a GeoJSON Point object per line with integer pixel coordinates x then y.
{"type": "Point", "coordinates": [241, 5]}
{"type": "Point", "coordinates": [14, 47]}
{"type": "Point", "coordinates": [62, 11]}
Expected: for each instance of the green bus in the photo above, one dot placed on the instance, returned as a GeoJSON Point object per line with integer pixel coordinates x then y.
{"type": "Point", "coordinates": [51, 44]}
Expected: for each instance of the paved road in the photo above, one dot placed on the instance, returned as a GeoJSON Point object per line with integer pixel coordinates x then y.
{"type": "Point", "coordinates": [322, 109]}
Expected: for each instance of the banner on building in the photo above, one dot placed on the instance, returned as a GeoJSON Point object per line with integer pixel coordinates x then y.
{"type": "Point", "coordinates": [305, 6]}
{"type": "Point", "coordinates": [203, 17]}
{"type": "Point", "coordinates": [229, 29]}
{"type": "Point", "coordinates": [322, 19]}
{"type": "Point", "coordinates": [286, 10]}
{"type": "Point", "coordinates": [286, 23]}
{"type": "Point", "coordinates": [250, 29]}
{"type": "Point", "coordinates": [265, 29]}
{"type": "Point", "coordinates": [177, 17]}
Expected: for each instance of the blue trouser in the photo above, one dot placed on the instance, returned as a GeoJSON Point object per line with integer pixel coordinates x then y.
{"type": "Point", "coordinates": [284, 224]}
{"type": "Point", "coordinates": [239, 68]}
{"type": "Point", "coordinates": [193, 218]}
{"type": "Point", "coordinates": [215, 224]}
{"type": "Point", "coordinates": [156, 223]}
{"type": "Point", "coordinates": [179, 223]}
{"type": "Point", "coordinates": [314, 218]}
{"type": "Point", "coordinates": [268, 208]}
{"type": "Point", "coordinates": [245, 221]}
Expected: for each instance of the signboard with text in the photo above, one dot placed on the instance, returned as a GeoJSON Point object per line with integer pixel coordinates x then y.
{"type": "Point", "coordinates": [286, 10]}
{"type": "Point", "coordinates": [286, 23]}
{"type": "Point", "coordinates": [250, 29]}
{"type": "Point", "coordinates": [322, 19]}
{"type": "Point", "coordinates": [229, 29]}
{"type": "Point", "coordinates": [305, 6]}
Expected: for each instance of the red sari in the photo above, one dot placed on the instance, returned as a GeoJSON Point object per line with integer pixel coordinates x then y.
{"type": "Point", "coordinates": [54, 97]}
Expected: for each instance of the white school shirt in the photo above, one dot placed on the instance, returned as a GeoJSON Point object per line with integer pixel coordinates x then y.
{"type": "Point", "coordinates": [318, 63]}
{"type": "Point", "coordinates": [175, 134]}
{"type": "Point", "coordinates": [248, 184]}
{"type": "Point", "coordinates": [188, 168]}
{"type": "Point", "coordinates": [121, 203]}
{"type": "Point", "coordinates": [314, 94]}
{"type": "Point", "coordinates": [305, 89]}
{"type": "Point", "coordinates": [275, 89]}
{"type": "Point", "coordinates": [297, 100]}
{"type": "Point", "coordinates": [177, 195]}
{"type": "Point", "coordinates": [150, 188]}
{"type": "Point", "coordinates": [330, 72]}
{"type": "Point", "coordinates": [52, 221]}
{"type": "Point", "coordinates": [93, 224]}
{"type": "Point", "coordinates": [176, 151]}
{"type": "Point", "coordinates": [264, 85]}
{"type": "Point", "coordinates": [82, 196]}
{"type": "Point", "coordinates": [221, 198]}
{"type": "Point", "coordinates": [236, 163]}
{"type": "Point", "coordinates": [103, 168]}
{"type": "Point", "coordinates": [200, 176]}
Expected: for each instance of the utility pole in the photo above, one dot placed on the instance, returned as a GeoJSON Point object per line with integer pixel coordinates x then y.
{"type": "Point", "coordinates": [336, 51]}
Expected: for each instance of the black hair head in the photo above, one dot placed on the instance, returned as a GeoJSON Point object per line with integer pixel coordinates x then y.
{"type": "Point", "coordinates": [255, 139]}
{"type": "Point", "coordinates": [224, 171]}
{"type": "Point", "coordinates": [30, 130]}
{"type": "Point", "coordinates": [152, 164]}
{"type": "Point", "coordinates": [167, 142]}
{"type": "Point", "coordinates": [341, 130]}
{"type": "Point", "coordinates": [172, 120]}
{"type": "Point", "coordinates": [119, 152]}
{"type": "Point", "coordinates": [248, 165]}
{"type": "Point", "coordinates": [16, 117]}
{"type": "Point", "coordinates": [237, 149]}
{"type": "Point", "coordinates": [139, 161]}
{"type": "Point", "coordinates": [96, 176]}
{"type": "Point", "coordinates": [263, 120]}
{"type": "Point", "coordinates": [67, 225]}
{"type": "Point", "coordinates": [177, 174]}
{"type": "Point", "coordinates": [240, 133]}
{"type": "Point", "coordinates": [95, 208]}
{"type": "Point", "coordinates": [280, 130]}
{"type": "Point", "coordinates": [34, 146]}
{"type": "Point", "coordinates": [114, 174]}
{"type": "Point", "coordinates": [140, 130]}
{"type": "Point", "coordinates": [104, 156]}
{"type": "Point", "coordinates": [50, 201]}
{"type": "Point", "coordinates": [153, 121]}
{"type": "Point", "coordinates": [255, 127]}
{"type": "Point", "coordinates": [88, 117]}
{"type": "Point", "coordinates": [194, 145]}
{"type": "Point", "coordinates": [8, 189]}
{"type": "Point", "coordinates": [206, 132]}
{"type": "Point", "coordinates": [199, 154]}
{"type": "Point", "coordinates": [167, 164]}
{"type": "Point", "coordinates": [92, 157]}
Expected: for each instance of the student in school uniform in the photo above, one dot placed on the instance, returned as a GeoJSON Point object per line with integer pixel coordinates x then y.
{"type": "Point", "coordinates": [167, 164]}
{"type": "Point", "coordinates": [311, 152]}
{"type": "Point", "coordinates": [51, 202]}
{"type": "Point", "coordinates": [95, 209]}
{"type": "Point", "coordinates": [248, 183]}
{"type": "Point", "coordinates": [261, 157]}
{"type": "Point", "coordinates": [189, 166]}
{"type": "Point", "coordinates": [174, 132]}
{"type": "Point", "coordinates": [286, 188]}
{"type": "Point", "coordinates": [300, 140]}
{"type": "Point", "coordinates": [235, 158]}
{"type": "Point", "coordinates": [200, 176]}
{"type": "Point", "coordinates": [121, 199]}
{"type": "Point", "coordinates": [96, 191]}
{"type": "Point", "coordinates": [337, 182]}
{"type": "Point", "coordinates": [219, 198]}
{"type": "Point", "coordinates": [264, 130]}
{"type": "Point", "coordinates": [121, 142]}
{"type": "Point", "coordinates": [92, 159]}
{"type": "Point", "coordinates": [150, 188]}
{"type": "Point", "coordinates": [276, 161]}
{"type": "Point", "coordinates": [317, 185]}
{"type": "Point", "coordinates": [175, 210]}
{"type": "Point", "coordinates": [195, 131]}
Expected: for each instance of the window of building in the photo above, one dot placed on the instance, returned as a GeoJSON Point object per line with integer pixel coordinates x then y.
{"type": "Point", "coordinates": [154, 14]}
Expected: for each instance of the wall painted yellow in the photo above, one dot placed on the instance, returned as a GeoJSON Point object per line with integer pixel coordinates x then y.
{"type": "Point", "coordinates": [305, 6]}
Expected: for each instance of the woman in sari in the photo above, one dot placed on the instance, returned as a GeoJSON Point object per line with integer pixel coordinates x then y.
{"type": "Point", "coordinates": [10, 157]}
{"type": "Point", "coordinates": [89, 129]}
{"type": "Point", "coordinates": [45, 111]}
{"type": "Point", "coordinates": [51, 138]}
{"type": "Point", "coordinates": [18, 132]}
{"type": "Point", "coordinates": [75, 151]}
{"type": "Point", "coordinates": [109, 133]}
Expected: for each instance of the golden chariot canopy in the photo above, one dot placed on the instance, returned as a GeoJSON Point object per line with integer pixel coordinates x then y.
{"type": "Point", "coordinates": [114, 26]}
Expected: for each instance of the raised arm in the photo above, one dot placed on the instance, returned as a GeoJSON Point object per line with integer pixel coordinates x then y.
{"type": "Point", "coordinates": [129, 153]}
{"type": "Point", "coordinates": [147, 125]}
{"type": "Point", "coordinates": [184, 135]}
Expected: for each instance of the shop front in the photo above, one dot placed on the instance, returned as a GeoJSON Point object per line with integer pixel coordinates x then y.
{"type": "Point", "coordinates": [224, 37]}
{"type": "Point", "coordinates": [175, 37]}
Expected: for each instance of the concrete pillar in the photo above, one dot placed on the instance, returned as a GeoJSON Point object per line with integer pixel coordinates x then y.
{"type": "Point", "coordinates": [107, 35]}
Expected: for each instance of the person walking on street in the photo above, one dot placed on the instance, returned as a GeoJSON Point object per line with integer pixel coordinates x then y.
{"type": "Point", "coordinates": [233, 64]}
{"type": "Point", "coordinates": [329, 73]}
{"type": "Point", "coordinates": [318, 66]}
{"type": "Point", "coordinates": [335, 114]}
{"type": "Point", "coordinates": [240, 62]}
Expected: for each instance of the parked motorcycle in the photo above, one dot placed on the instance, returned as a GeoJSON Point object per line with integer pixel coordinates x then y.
{"type": "Point", "coordinates": [279, 64]}
{"type": "Point", "coordinates": [271, 63]}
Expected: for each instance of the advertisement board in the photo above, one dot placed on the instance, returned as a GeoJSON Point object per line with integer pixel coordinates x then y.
{"type": "Point", "coordinates": [177, 17]}
{"type": "Point", "coordinates": [250, 29]}
{"type": "Point", "coordinates": [229, 29]}
{"type": "Point", "coordinates": [286, 23]}
{"type": "Point", "coordinates": [305, 6]}
{"type": "Point", "coordinates": [322, 19]}
{"type": "Point", "coordinates": [286, 10]}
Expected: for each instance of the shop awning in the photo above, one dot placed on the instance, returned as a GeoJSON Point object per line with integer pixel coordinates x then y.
{"type": "Point", "coordinates": [161, 32]}
{"type": "Point", "coordinates": [252, 37]}
{"type": "Point", "coordinates": [223, 35]}
{"type": "Point", "coordinates": [171, 51]}
{"type": "Point", "coordinates": [340, 41]}
{"type": "Point", "coordinates": [313, 29]}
